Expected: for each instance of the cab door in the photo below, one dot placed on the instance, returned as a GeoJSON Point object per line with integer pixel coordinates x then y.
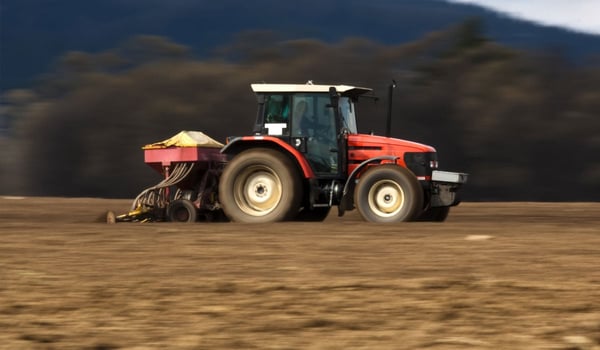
{"type": "Point", "coordinates": [314, 132]}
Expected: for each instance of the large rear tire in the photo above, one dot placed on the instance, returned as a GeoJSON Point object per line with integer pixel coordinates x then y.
{"type": "Point", "coordinates": [388, 193]}
{"type": "Point", "coordinates": [260, 186]}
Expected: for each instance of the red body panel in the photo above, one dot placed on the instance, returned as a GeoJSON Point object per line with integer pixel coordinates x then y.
{"type": "Point", "coordinates": [362, 147]}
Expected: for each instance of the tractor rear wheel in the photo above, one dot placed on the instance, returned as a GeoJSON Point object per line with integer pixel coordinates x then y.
{"type": "Point", "coordinates": [388, 193]}
{"type": "Point", "coordinates": [260, 186]}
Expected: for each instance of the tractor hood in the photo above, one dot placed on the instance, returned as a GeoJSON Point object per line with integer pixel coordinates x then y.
{"type": "Point", "coordinates": [386, 145]}
{"type": "Point", "coordinates": [417, 157]}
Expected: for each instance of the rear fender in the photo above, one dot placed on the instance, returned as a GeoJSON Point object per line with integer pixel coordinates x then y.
{"type": "Point", "coordinates": [243, 143]}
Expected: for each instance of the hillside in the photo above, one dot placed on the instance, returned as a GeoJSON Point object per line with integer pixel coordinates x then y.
{"type": "Point", "coordinates": [34, 34]}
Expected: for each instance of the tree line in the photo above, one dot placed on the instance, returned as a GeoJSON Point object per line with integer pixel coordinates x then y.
{"type": "Point", "coordinates": [524, 124]}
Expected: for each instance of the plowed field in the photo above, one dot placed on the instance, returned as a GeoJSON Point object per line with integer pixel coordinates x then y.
{"type": "Point", "coordinates": [494, 276]}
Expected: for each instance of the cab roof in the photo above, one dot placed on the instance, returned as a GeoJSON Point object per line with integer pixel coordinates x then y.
{"type": "Point", "coordinates": [344, 90]}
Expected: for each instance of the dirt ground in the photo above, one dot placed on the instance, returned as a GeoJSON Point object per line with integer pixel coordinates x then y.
{"type": "Point", "coordinates": [494, 276]}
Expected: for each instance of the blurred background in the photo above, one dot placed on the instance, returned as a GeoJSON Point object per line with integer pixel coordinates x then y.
{"type": "Point", "coordinates": [513, 98]}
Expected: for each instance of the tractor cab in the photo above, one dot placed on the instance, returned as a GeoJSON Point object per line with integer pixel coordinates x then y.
{"type": "Point", "coordinates": [306, 117]}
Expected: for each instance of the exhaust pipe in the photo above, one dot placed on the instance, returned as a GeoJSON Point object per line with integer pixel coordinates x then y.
{"type": "Point", "coordinates": [388, 129]}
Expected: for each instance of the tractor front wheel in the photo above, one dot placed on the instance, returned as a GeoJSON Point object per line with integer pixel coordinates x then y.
{"type": "Point", "coordinates": [260, 186]}
{"type": "Point", "coordinates": [388, 193]}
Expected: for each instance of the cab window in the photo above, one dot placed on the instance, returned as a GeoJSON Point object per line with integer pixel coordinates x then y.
{"type": "Point", "coordinates": [277, 109]}
{"type": "Point", "coordinates": [277, 114]}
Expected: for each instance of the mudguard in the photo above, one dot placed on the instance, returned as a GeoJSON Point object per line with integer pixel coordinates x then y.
{"type": "Point", "coordinates": [239, 144]}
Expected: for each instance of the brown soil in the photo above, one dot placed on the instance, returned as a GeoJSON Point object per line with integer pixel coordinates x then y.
{"type": "Point", "coordinates": [494, 276]}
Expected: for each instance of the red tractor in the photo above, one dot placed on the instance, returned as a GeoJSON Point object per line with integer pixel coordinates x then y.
{"type": "Point", "coordinates": [304, 156]}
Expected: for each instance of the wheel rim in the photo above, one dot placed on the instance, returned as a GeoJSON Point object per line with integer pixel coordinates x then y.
{"type": "Point", "coordinates": [386, 198]}
{"type": "Point", "coordinates": [257, 190]}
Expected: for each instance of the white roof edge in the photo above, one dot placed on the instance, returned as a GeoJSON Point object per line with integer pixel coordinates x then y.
{"type": "Point", "coordinates": [263, 87]}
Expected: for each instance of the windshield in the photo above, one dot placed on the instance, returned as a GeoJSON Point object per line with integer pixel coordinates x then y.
{"type": "Point", "coordinates": [348, 116]}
